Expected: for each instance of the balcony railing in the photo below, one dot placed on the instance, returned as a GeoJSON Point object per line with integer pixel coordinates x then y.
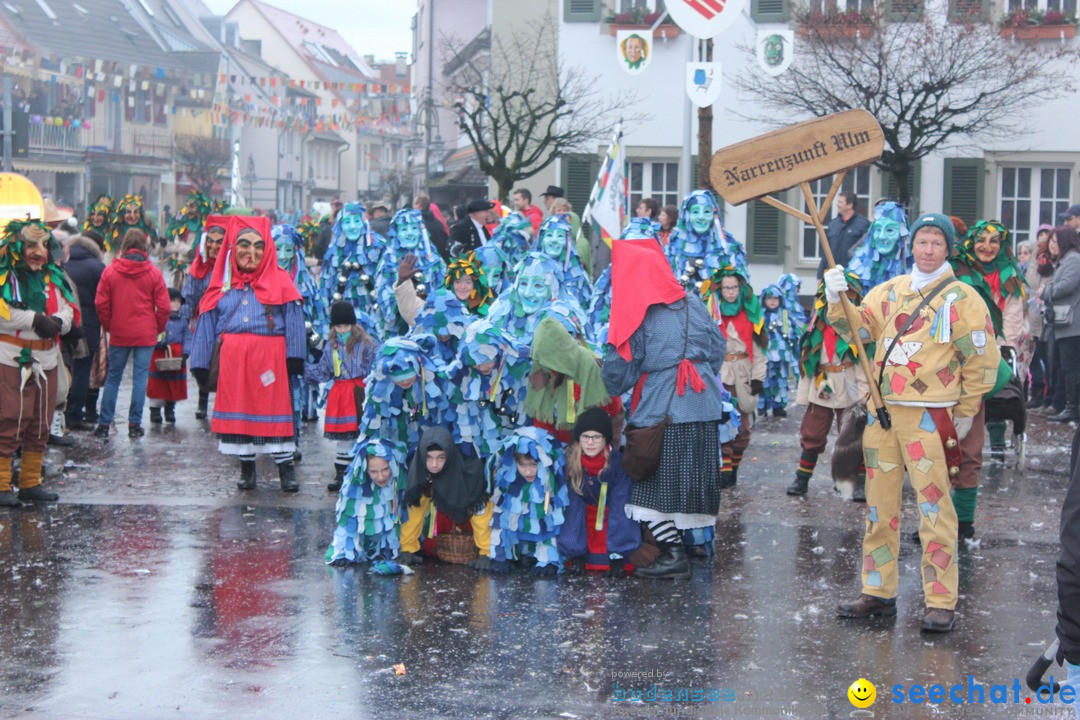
{"type": "Point", "coordinates": [57, 139]}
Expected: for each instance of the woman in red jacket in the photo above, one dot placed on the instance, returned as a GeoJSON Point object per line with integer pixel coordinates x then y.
{"type": "Point", "coordinates": [133, 306]}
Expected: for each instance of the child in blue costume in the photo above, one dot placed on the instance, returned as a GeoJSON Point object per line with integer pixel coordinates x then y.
{"type": "Point", "coordinates": [465, 296]}
{"type": "Point", "coordinates": [348, 268]}
{"type": "Point", "coordinates": [346, 360]}
{"type": "Point", "coordinates": [782, 353]}
{"type": "Point", "coordinates": [555, 241]}
{"type": "Point", "coordinates": [596, 534]}
{"type": "Point", "coordinates": [407, 236]}
{"type": "Point", "coordinates": [702, 246]}
{"type": "Point", "coordinates": [367, 507]}
{"type": "Point", "coordinates": [536, 286]}
{"type": "Point", "coordinates": [514, 237]}
{"type": "Point", "coordinates": [884, 253]}
{"type": "Point", "coordinates": [530, 500]}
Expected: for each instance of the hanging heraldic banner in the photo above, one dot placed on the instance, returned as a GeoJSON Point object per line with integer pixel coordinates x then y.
{"type": "Point", "coordinates": [633, 50]}
{"type": "Point", "coordinates": [703, 82]}
{"type": "Point", "coordinates": [775, 49]}
{"type": "Point", "coordinates": [705, 18]}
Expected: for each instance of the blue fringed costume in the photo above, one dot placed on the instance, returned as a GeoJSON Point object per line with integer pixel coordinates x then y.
{"type": "Point", "coordinates": [782, 328]}
{"type": "Point", "coordinates": [884, 253]}
{"type": "Point", "coordinates": [528, 514]}
{"type": "Point", "coordinates": [555, 241]}
{"type": "Point", "coordinates": [701, 246]}
{"type": "Point", "coordinates": [367, 517]}
{"type": "Point", "coordinates": [407, 235]}
{"type": "Point", "coordinates": [348, 268]}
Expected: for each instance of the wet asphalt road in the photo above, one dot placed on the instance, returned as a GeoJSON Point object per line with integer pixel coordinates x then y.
{"type": "Point", "coordinates": [155, 589]}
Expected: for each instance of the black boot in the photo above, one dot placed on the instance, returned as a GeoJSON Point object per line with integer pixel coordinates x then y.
{"type": "Point", "coordinates": [204, 400]}
{"type": "Point", "coordinates": [779, 412]}
{"type": "Point", "coordinates": [247, 475]}
{"type": "Point", "coordinates": [90, 413]}
{"type": "Point", "coordinates": [965, 530]}
{"type": "Point", "coordinates": [1071, 413]}
{"type": "Point", "coordinates": [170, 412]}
{"type": "Point", "coordinates": [339, 478]}
{"type": "Point", "coordinates": [727, 479]}
{"type": "Point", "coordinates": [671, 563]}
{"type": "Point", "coordinates": [287, 474]}
{"type": "Point", "coordinates": [859, 495]}
{"type": "Point", "coordinates": [800, 485]}
{"type": "Point", "coordinates": [155, 416]}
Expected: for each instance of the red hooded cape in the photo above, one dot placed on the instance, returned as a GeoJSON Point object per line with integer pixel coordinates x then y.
{"type": "Point", "coordinates": [640, 276]}
{"type": "Point", "coordinates": [271, 284]}
{"type": "Point", "coordinates": [199, 268]}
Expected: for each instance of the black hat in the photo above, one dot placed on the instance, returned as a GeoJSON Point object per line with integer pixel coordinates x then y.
{"type": "Point", "coordinates": [342, 313]}
{"type": "Point", "coordinates": [553, 191]}
{"type": "Point", "coordinates": [593, 420]}
{"type": "Point", "coordinates": [174, 294]}
{"type": "Point", "coordinates": [479, 205]}
{"type": "Point", "coordinates": [1073, 211]}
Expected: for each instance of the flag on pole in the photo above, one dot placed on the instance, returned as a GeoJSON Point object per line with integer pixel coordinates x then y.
{"type": "Point", "coordinates": [608, 204]}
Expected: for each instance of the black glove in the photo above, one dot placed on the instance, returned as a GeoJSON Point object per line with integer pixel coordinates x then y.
{"type": "Point", "coordinates": [756, 387]}
{"type": "Point", "coordinates": [75, 334]}
{"type": "Point", "coordinates": [295, 366]}
{"type": "Point", "coordinates": [44, 326]}
{"type": "Point", "coordinates": [201, 375]}
{"type": "Point", "coordinates": [1008, 353]}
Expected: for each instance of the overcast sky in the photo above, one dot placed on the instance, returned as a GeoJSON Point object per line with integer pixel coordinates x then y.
{"type": "Point", "coordinates": [372, 27]}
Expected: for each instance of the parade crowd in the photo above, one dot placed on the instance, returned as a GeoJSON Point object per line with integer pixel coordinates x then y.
{"type": "Point", "coordinates": [496, 400]}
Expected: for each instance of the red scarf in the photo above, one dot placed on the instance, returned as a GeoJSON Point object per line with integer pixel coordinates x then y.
{"type": "Point", "coordinates": [271, 284]}
{"type": "Point", "coordinates": [993, 279]}
{"type": "Point", "coordinates": [640, 276]}
{"type": "Point", "coordinates": [593, 465]}
{"type": "Point", "coordinates": [743, 327]}
{"type": "Point", "coordinates": [199, 267]}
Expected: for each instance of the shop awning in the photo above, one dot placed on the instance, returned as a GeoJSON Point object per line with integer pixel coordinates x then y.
{"type": "Point", "coordinates": [32, 166]}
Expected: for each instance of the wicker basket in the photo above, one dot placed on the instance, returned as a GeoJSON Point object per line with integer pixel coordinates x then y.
{"type": "Point", "coordinates": [169, 363]}
{"type": "Point", "coordinates": [455, 547]}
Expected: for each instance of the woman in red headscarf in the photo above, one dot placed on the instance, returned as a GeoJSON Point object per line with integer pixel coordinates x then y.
{"type": "Point", "coordinates": [253, 306]}
{"type": "Point", "coordinates": [669, 351]}
{"type": "Point", "coordinates": [202, 267]}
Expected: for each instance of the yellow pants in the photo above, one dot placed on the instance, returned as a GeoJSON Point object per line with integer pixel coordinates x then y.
{"type": "Point", "coordinates": [913, 445]}
{"type": "Point", "coordinates": [411, 528]}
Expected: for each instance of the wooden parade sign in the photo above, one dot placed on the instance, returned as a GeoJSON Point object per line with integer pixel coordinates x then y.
{"type": "Point", "coordinates": [798, 155]}
{"type": "Point", "coordinates": [786, 157]}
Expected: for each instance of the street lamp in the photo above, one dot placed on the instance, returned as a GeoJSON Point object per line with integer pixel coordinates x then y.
{"type": "Point", "coordinates": [251, 178]}
{"type": "Point", "coordinates": [310, 184]}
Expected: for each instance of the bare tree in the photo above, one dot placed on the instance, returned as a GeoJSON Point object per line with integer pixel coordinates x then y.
{"type": "Point", "coordinates": [932, 83]}
{"type": "Point", "coordinates": [202, 159]}
{"type": "Point", "coordinates": [521, 107]}
{"type": "Point", "coordinates": [396, 186]}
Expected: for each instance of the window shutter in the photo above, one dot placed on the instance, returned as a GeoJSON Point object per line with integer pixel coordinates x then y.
{"type": "Point", "coordinates": [769, 10]}
{"type": "Point", "coordinates": [969, 10]}
{"type": "Point", "coordinates": [693, 173]}
{"type": "Point", "coordinates": [578, 174]}
{"type": "Point", "coordinates": [890, 191]}
{"type": "Point", "coordinates": [965, 180]}
{"type": "Point", "coordinates": [765, 227]}
{"type": "Point", "coordinates": [581, 10]}
{"type": "Point", "coordinates": [898, 10]}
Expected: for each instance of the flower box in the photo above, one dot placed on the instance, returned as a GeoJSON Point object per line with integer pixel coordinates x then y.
{"type": "Point", "coordinates": [1039, 32]}
{"type": "Point", "coordinates": [836, 32]}
{"type": "Point", "coordinates": [662, 31]}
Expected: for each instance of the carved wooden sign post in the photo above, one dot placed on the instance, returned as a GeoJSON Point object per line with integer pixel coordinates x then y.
{"type": "Point", "coordinates": [797, 155]}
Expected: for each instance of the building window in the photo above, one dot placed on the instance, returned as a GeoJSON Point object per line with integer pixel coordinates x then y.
{"type": "Point", "coordinates": [658, 180]}
{"type": "Point", "coordinates": [1065, 7]}
{"type": "Point", "coordinates": [856, 181]}
{"type": "Point", "coordinates": [1033, 196]}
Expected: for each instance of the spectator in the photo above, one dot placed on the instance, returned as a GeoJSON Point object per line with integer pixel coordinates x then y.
{"type": "Point", "coordinates": [669, 216]}
{"type": "Point", "coordinates": [469, 233]}
{"type": "Point", "coordinates": [522, 201]}
{"type": "Point", "coordinates": [435, 227]}
{"type": "Point", "coordinates": [379, 219]}
{"type": "Point", "coordinates": [846, 230]}
{"type": "Point", "coordinates": [647, 208]}
{"type": "Point", "coordinates": [1063, 297]}
{"type": "Point", "coordinates": [84, 267]}
{"type": "Point", "coordinates": [133, 306]}
{"type": "Point", "coordinates": [1039, 272]}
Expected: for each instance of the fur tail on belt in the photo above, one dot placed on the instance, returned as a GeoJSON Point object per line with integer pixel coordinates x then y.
{"type": "Point", "coordinates": [847, 457]}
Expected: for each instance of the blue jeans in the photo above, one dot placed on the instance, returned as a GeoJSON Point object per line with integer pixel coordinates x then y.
{"type": "Point", "coordinates": [118, 358]}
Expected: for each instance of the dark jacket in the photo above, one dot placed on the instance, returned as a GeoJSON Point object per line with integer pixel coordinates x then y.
{"type": "Point", "coordinates": [437, 233]}
{"type": "Point", "coordinates": [465, 237]}
{"type": "Point", "coordinates": [84, 267]}
{"type": "Point", "coordinates": [623, 535]}
{"type": "Point", "coordinates": [132, 301]}
{"type": "Point", "coordinates": [1068, 565]}
{"type": "Point", "coordinates": [844, 237]}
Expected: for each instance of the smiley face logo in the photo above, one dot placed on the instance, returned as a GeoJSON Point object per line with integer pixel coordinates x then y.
{"type": "Point", "coordinates": [862, 693]}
